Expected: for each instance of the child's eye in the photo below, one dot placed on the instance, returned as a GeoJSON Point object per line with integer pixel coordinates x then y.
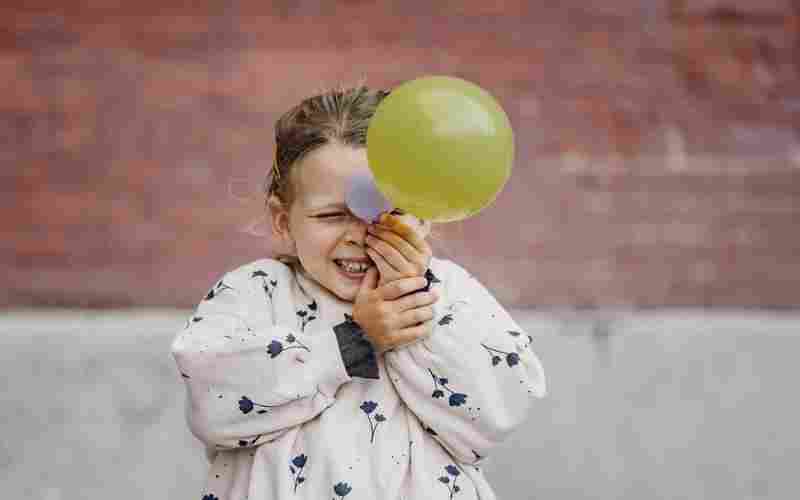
{"type": "Point", "coordinates": [330, 215]}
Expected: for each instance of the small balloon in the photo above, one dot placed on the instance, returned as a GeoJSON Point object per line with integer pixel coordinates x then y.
{"type": "Point", "coordinates": [363, 197]}
{"type": "Point", "coordinates": [440, 148]}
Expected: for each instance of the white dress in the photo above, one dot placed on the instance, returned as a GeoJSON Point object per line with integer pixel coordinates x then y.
{"type": "Point", "coordinates": [284, 416]}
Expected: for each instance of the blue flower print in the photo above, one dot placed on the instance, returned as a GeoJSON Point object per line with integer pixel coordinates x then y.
{"type": "Point", "coordinates": [307, 315]}
{"type": "Point", "coordinates": [455, 399]}
{"type": "Point", "coordinates": [299, 461]}
{"type": "Point", "coordinates": [210, 496]}
{"type": "Point", "coordinates": [276, 346]}
{"type": "Point", "coordinates": [267, 284]}
{"type": "Point", "coordinates": [219, 287]}
{"type": "Point", "coordinates": [296, 468]}
{"type": "Point", "coordinates": [512, 358]}
{"type": "Point", "coordinates": [342, 490]}
{"type": "Point", "coordinates": [446, 319]}
{"type": "Point", "coordinates": [246, 405]}
{"type": "Point", "coordinates": [451, 485]}
{"type": "Point", "coordinates": [452, 470]}
{"type": "Point", "coordinates": [368, 407]}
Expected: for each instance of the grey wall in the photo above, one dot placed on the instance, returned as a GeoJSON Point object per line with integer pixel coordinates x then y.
{"type": "Point", "coordinates": [661, 404]}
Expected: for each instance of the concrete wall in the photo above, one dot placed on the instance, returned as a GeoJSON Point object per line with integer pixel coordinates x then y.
{"type": "Point", "coordinates": [657, 141]}
{"type": "Point", "coordinates": [661, 404]}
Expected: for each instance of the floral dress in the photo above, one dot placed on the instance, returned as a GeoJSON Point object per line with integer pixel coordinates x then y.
{"type": "Point", "coordinates": [292, 402]}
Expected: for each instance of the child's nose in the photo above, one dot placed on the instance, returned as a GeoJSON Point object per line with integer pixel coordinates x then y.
{"type": "Point", "coordinates": [356, 232]}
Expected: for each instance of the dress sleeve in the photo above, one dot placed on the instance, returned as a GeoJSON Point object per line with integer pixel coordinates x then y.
{"type": "Point", "coordinates": [473, 380]}
{"type": "Point", "coordinates": [247, 379]}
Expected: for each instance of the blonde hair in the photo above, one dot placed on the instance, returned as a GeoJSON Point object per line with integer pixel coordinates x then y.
{"type": "Point", "coordinates": [340, 115]}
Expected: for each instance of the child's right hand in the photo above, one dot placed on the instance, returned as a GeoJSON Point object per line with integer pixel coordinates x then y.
{"type": "Point", "coordinates": [391, 315]}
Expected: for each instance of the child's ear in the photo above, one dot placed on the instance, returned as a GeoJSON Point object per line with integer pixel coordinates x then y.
{"type": "Point", "coordinates": [279, 218]}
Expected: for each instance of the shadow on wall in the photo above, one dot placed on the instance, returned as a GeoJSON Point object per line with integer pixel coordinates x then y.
{"type": "Point", "coordinates": [662, 404]}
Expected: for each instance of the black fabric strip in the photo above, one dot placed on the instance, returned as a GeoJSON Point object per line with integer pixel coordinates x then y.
{"type": "Point", "coordinates": [357, 352]}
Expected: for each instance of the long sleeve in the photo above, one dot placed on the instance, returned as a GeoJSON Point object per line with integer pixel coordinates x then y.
{"type": "Point", "coordinates": [472, 381]}
{"type": "Point", "coordinates": [249, 380]}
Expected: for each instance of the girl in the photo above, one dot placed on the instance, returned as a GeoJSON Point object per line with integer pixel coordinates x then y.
{"type": "Point", "coordinates": [356, 366]}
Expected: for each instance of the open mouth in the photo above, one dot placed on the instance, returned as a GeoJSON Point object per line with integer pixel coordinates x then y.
{"type": "Point", "coordinates": [356, 268]}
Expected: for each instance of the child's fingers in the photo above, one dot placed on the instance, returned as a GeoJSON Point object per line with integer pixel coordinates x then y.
{"type": "Point", "coordinates": [414, 316]}
{"type": "Point", "coordinates": [411, 334]}
{"type": "Point", "coordinates": [400, 248]}
{"type": "Point", "coordinates": [408, 233]}
{"type": "Point", "coordinates": [370, 281]}
{"type": "Point", "coordinates": [392, 256]}
{"type": "Point", "coordinates": [395, 224]}
{"type": "Point", "coordinates": [416, 300]}
{"type": "Point", "coordinates": [385, 270]}
{"type": "Point", "coordinates": [402, 286]}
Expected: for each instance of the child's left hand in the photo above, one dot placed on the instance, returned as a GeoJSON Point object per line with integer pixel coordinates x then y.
{"type": "Point", "coordinates": [397, 246]}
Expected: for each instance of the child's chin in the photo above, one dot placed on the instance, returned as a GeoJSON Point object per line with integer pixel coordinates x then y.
{"type": "Point", "coordinates": [345, 292]}
{"type": "Point", "coordinates": [347, 297]}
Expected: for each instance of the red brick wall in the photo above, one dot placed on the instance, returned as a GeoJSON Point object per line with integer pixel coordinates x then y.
{"type": "Point", "coordinates": [658, 141]}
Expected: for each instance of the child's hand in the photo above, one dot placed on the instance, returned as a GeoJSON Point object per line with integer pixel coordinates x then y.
{"type": "Point", "coordinates": [391, 315]}
{"type": "Point", "coordinates": [398, 248]}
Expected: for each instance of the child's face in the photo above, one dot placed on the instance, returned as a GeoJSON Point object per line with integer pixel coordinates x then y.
{"type": "Point", "coordinates": [318, 225]}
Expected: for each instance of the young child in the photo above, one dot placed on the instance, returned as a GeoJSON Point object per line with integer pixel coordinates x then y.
{"type": "Point", "coordinates": [356, 366]}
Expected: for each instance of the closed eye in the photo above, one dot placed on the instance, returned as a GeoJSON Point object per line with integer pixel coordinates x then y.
{"type": "Point", "coordinates": [330, 215]}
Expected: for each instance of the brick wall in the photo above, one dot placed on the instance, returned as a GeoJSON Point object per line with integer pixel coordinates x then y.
{"type": "Point", "coordinates": [658, 142]}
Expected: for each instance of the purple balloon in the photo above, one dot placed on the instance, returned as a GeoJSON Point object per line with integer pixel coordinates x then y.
{"type": "Point", "coordinates": [363, 197]}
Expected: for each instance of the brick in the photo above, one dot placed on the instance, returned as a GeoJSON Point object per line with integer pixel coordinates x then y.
{"type": "Point", "coordinates": [656, 142]}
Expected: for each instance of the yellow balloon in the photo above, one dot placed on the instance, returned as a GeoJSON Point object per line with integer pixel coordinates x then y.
{"type": "Point", "coordinates": [440, 148]}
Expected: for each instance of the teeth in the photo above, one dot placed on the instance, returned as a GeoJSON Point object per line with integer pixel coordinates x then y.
{"type": "Point", "coordinates": [353, 267]}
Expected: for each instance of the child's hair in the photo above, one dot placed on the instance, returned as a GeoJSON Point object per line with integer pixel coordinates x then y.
{"type": "Point", "coordinates": [340, 115]}
{"type": "Point", "coordinates": [337, 116]}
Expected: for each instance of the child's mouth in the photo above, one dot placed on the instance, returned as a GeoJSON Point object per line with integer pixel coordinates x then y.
{"type": "Point", "coordinates": [353, 268]}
